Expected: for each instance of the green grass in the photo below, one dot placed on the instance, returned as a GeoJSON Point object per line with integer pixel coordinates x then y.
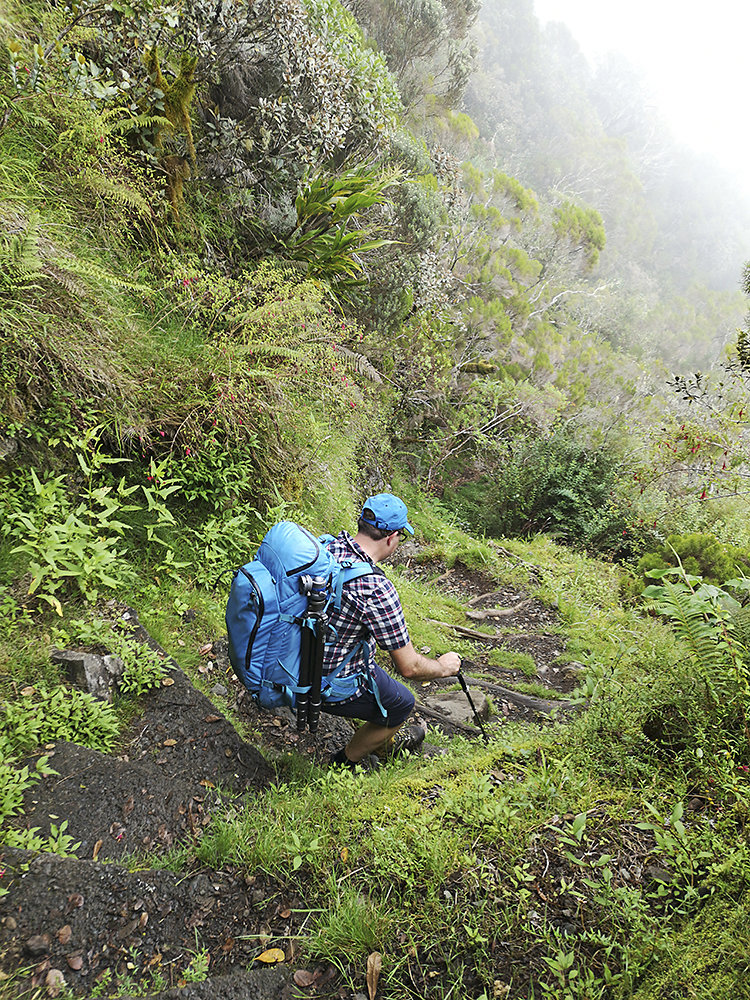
{"type": "Point", "coordinates": [509, 660]}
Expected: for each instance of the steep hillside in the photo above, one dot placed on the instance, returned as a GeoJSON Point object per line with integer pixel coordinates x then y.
{"type": "Point", "coordinates": [256, 263]}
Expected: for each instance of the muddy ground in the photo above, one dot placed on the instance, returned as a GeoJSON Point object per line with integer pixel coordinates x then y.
{"type": "Point", "coordinates": [89, 923]}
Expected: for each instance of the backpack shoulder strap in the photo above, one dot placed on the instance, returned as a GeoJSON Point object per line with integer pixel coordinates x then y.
{"type": "Point", "coordinates": [350, 571]}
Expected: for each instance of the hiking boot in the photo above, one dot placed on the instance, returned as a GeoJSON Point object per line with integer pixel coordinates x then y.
{"type": "Point", "coordinates": [368, 763]}
{"type": "Point", "coordinates": [407, 739]}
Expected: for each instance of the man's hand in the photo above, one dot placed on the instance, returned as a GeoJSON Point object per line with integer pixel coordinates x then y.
{"type": "Point", "coordinates": [414, 666]}
{"type": "Point", "coordinates": [451, 662]}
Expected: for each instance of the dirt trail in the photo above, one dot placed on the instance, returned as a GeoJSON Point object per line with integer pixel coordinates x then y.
{"type": "Point", "coordinates": [82, 922]}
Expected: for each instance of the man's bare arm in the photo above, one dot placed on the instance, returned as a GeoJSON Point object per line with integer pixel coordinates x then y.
{"type": "Point", "coordinates": [414, 666]}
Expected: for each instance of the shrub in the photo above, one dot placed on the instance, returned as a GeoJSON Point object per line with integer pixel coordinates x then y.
{"type": "Point", "coordinates": [700, 554]}
{"type": "Point", "coordinates": [552, 485]}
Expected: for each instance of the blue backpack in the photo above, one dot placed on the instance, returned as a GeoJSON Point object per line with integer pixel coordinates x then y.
{"type": "Point", "coordinates": [269, 609]}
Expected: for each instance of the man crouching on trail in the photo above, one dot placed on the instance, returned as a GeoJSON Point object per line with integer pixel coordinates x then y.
{"type": "Point", "coordinates": [370, 615]}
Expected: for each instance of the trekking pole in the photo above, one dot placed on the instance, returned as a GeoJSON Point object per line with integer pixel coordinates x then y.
{"type": "Point", "coordinates": [465, 686]}
{"type": "Point", "coordinates": [305, 658]}
{"type": "Point", "coordinates": [317, 610]}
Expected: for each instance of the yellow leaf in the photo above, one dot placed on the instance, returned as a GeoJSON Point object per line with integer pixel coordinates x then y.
{"type": "Point", "coordinates": [271, 956]}
{"type": "Point", "coordinates": [344, 854]}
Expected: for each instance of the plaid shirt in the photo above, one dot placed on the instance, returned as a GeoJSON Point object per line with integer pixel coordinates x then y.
{"type": "Point", "coordinates": [370, 610]}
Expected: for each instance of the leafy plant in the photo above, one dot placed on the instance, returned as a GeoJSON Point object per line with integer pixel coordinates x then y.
{"type": "Point", "coordinates": [69, 545]}
{"type": "Point", "coordinates": [323, 238]}
{"type": "Point", "coordinates": [701, 615]}
{"type": "Point", "coordinates": [197, 970]}
{"type": "Point", "coordinates": [58, 714]}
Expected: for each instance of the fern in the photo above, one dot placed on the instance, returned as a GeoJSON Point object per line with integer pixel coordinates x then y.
{"type": "Point", "coordinates": [20, 259]}
{"type": "Point", "coordinates": [65, 280]}
{"type": "Point", "coordinates": [115, 191]}
{"type": "Point", "coordinates": [717, 639]}
{"type": "Point", "coordinates": [360, 364]}
{"type": "Point", "coordinates": [136, 122]}
{"type": "Point", "coordinates": [86, 269]}
{"type": "Point", "coordinates": [694, 621]}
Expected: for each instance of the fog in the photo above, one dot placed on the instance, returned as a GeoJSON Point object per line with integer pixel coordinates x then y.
{"type": "Point", "coordinates": [693, 59]}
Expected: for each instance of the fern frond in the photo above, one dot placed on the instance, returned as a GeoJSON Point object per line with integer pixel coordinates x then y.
{"type": "Point", "coordinates": [265, 349]}
{"type": "Point", "coordinates": [139, 122]}
{"type": "Point", "coordinates": [360, 364]}
{"type": "Point", "coordinates": [65, 280]}
{"type": "Point", "coordinates": [86, 269]}
{"type": "Point", "coordinates": [20, 258]}
{"type": "Point", "coordinates": [740, 625]}
{"type": "Point", "coordinates": [688, 618]}
{"type": "Point", "coordinates": [115, 191]}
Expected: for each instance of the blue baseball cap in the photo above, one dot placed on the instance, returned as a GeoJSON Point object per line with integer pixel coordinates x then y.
{"type": "Point", "coordinates": [390, 513]}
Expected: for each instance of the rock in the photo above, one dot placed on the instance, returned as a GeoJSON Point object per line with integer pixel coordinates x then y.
{"type": "Point", "coordinates": [8, 447]}
{"type": "Point", "coordinates": [656, 875]}
{"type": "Point", "coordinates": [38, 944]}
{"type": "Point", "coordinates": [454, 705]}
{"type": "Point", "coordinates": [573, 669]}
{"type": "Point", "coordinates": [99, 675]}
{"type": "Point", "coordinates": [219, 691]}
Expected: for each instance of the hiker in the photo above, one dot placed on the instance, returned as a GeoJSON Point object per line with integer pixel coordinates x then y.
{"type": "Point", "coordinates": [370, 615]}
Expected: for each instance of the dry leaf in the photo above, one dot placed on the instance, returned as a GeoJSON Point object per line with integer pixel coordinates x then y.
{"type": "Point", "coordinates": [374, 965]}
{"type": "Point", "coordinates": [212, 718]}
{"type": "Point", "coordinates": [303, 978]}
{"type": "Point", "coordinates": [167, 682]}
{"type": "Point", "coordinates": [28, 691]}
{"type": "Point", "coordinates": [97, 848]}
{"type": "Point", "coordinates": [64, 934]}
{"type": "Point", "coordinates": [169, 743]}
{"type": "Point", "coordinates": [271, 957]}
{"type": "Point", "coordinates": [55, 982]}
{"type": "Point", "coordinates": [154, 960]}
{"type": "Point", "coordinates": [344, 854]}
{"type": "Point", "coordinates": [75, 962]}
{"type": "Point", "coordinates": [205, 649]}
{"type": "Point", "coordinates": [207, 784]}
{"type": "Point", "coordinates": [276, 722]}
{"type": "Point", "coordinates": [285, 914]}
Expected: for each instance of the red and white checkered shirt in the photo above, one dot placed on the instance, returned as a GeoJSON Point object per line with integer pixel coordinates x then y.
{"type": "Point", "coordinates": [370, 609]}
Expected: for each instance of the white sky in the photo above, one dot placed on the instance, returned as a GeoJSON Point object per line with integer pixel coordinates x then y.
{"type": "Point", "coordinates": [693, 57]}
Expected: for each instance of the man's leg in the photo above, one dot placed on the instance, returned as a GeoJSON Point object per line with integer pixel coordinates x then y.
{"type": "Point", "coordinates": [369, 738]}
{"type": "Point", "coordinates": [377, 730]}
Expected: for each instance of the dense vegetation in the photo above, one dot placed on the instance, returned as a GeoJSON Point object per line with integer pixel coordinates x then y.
{"type": "Point", "coordinates": [262, 260]}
